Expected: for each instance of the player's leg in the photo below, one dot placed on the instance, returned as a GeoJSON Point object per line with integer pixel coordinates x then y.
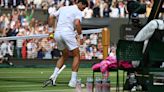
{"type": "Point", "coordinates": [72, 45]}
{"type": "Point", "coordinates": [59, 64]}
{"type": "Point", "coordinates": [75, 67]}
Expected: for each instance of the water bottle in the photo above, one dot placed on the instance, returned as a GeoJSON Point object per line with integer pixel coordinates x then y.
{"type": "Point", "coordinates": [89, 84]}
{"type": "Point", "coordinates": [105, 75]}
{"type": "Point", "coordinates": [78, 86]}
{"type": "Point", "coordinates": [98, 85]}
{"type": "Point", "coordinates": [132, 80]}
{"type": "Point", "coordinates": [105, 85]}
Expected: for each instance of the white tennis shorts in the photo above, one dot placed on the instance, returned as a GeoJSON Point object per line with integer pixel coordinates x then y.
{"type": "Point", "coordinates": [66, 40]}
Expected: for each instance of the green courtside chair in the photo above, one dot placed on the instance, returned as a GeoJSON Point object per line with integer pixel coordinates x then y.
{"type": "Point", "coordinates": [128, 51]}
{"type": "Point", "coordinates": [156, 55]}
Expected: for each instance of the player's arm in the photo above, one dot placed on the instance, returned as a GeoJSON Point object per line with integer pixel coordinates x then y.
{"type": "Point", "coordinates": [78, 26]}
{"type": "Point", "coordinates": [53, 15]}
{"type": "Point", "coordinates": [51, 21]}
{"type": "Point", "coordinates": [56, 14]}
{"type": "Point", "coordinates": [79, 31]}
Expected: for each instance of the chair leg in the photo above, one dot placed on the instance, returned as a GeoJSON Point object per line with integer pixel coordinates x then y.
{"type": "Point", "coordinates": [117, 84]}
{"type": "Point", "coordinates": [150, 85]}
{"type": "Point", "coordinates": [93, 77]}
{"type": "Point", "coordinates": [123, 81]}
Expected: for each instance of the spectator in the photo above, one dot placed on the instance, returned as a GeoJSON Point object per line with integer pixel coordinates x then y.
{"type": "Point", "coordinates": [44, 5]}
{"type": "Point", "coordinates": [96, 10]}
{"type": "Point", "coordinates": [21, 6]}
{"type": "Point", "coordinates": [99, 54]}
{"type": "Point", "coordinates": [32, 6]}
{"type": "Point", "coordinates": [122, 10]}
{"type": "Point", "coordinates": [112, 51]}
{"type": "Point", "coordinates": [102, 6]}
{"type": "Point", "coordinates": [47, 49]}
{"type": "Point", "coordinates": [106, 10]}
{"type": "Point", "coordinates": [93, 38]}
{"type": "Point", "coordinates": [87, 13]}
{"type": "Point", "coordinates": [2, 24]}
{"type": "Point", "coordinates": [94, 50]}
{"type": "Point", "coordinates": [114, 11]}
{"type": "Point", "coordinates": [55, 52]}
{"type": "Point", "coordinates": [6, 3]}
{"type": "Point", "coordinates": [19, 43]}
{"type": "Point", "coordinates": [13, 31]}
{"type": "Point", "coordinates": [1, 55]}
{"type": "Point", "coordinates": [7, 51]}
{"type": "Point", "coordinates": [2, 3]}
{"type": "Point", "coordinates": [29, 49]}
{"type": "Point", "coordinates": [37, 3]}
{"type": "Point", "coordinates": [29, 16]}
{"type": "Point", "coordinates": [13, 3]}
{"type": "Point", "coordinates": [82, 55]}
{"type": "Point", "coordinates": [4, 48]}
{"type": "Point", "coordinates": [28, 2]}
{"type": "Point", "coordinates": [24, 50]}
{"type": "Point", "coordinates": [15, 15]}
{"type": "Point", "coordinates": [34, 49]}
{"type": "Point", "coordinates": [99, 46]}
{"type": "Point", "coordinates": [88, 55]}
{"type": "Point", "coordinates": [11, 48]}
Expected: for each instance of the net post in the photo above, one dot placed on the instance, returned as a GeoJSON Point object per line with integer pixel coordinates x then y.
{"type": "Point", "coordinates": [105, 41]}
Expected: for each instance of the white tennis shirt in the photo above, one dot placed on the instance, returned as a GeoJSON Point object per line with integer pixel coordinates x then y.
{"type": "Point", "coordinates": [66, 17]}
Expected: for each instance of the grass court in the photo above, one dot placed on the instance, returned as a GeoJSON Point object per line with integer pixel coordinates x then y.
{"type": "Point", "coordinates": [31, 79]}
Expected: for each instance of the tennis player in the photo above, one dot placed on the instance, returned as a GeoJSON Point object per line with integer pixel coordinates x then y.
{"type": "Point", "coordinates": [69, 19]}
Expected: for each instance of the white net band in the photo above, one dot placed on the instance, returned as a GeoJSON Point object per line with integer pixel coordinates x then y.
{"type": "Point", "coordinates": [90, 31]}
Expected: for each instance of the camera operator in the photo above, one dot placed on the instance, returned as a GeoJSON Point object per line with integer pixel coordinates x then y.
{"type": "Point", "coordinates": [6, 52]}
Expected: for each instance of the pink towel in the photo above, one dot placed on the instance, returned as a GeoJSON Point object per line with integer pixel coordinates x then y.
{"type": "Point", "coordinates": [111, 63]}
{"type": "Point", "coordinates": [104, 64]}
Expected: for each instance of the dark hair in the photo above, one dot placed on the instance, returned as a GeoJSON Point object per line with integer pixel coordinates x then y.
{"type": "Point", "coordinates": [84, 2]}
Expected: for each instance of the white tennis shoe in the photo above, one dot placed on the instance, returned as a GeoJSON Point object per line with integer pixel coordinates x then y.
{"type": "Point", "coordinates": [73, 84]}
{"type": "Point", "coordinates": [53, 78]}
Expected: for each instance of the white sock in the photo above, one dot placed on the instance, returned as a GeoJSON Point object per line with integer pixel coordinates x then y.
{"type": "Point", "coordinates": [74, 76]}
{"type": "Point", "coordinates": [55, 73]}
{"type": "Point", "coordinates": [56, 70]}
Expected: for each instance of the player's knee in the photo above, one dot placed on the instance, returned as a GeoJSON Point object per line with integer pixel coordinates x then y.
{"type": "Point", "coordinates": [65, 56]}
{"type": "Point", "coordinates": [76, 53]}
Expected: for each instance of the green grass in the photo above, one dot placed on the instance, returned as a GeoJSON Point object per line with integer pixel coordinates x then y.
{"type": "Point", "coordinates": [31, 79]}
